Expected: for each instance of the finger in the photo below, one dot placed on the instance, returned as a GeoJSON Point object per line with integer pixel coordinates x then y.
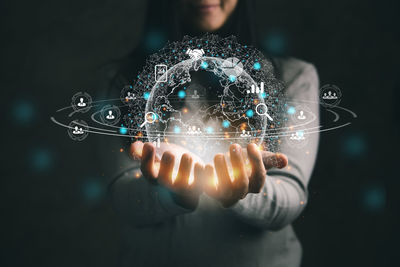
{"type": "Point", "coordinates": [198, 182]}
{"type": "Point", "coordinates": [136, 150]}
{"type": "Point", "coordinates": [258, 172]}
{"type": "Point", "coordinates": [210, 181]}
{"type": "Point", "coordinates": [224, 181]}
{"type": "Point", "coordinates": [185, 166]}
{"type": "Point", "coordinates": [147, 163]}
{"type": "Point", "coordinates": [166, 168]}
{"type": "Point", "coordinates": [274, 160]}
{"type": "Point", "coordinates": [241, 181]}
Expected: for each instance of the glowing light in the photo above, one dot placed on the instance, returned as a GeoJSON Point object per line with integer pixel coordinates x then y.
{"type": "Point", "coordinates": [209, 129]}
{"type": "Point", "coordinates": [204, 65]}
{"type": "Point", "coordinates": [177, 129]}
{"type": "Point", "coordinates": [185, 110]}
{"type": "Point", "coordinates": [146, 95]}
{"type": "Point", "coordinates": [181, 94]}
{"type": "Point", "coordinates": [291, 110]}
{"type": "Point", "coordinates": [232, 78]}
{"type": "Point", "coordinates": [123, 130]}
{"type": "Point", "coordinates": [257, 66]}
{"type": "Point", "coordinates": [121, 150]}
{"type": "Point", "coordinates": [226, 124]}
{"type": "Point", "coordinates": [137, 174]}
{"type": "Point", "coordinates": [250, 113]}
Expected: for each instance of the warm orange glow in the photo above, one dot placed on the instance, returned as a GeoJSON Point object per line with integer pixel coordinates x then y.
{"type": "Point", "coordinates": [137, 174]}
{"type": "Point", "coordinates": [157, 167]}
{"type": "Point", "coordinates": [301, 202]}
{"type": "Point", "coordinates": [185, 110]}
{"type": "Point", "coordinates": [121, 150]}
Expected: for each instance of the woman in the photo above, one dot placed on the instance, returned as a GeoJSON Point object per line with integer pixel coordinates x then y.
{"type": "Point", "coordinates": [241, 223]}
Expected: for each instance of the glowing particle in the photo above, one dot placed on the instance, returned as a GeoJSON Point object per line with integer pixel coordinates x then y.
{"type": "Point", "coordinates": [137, 174]}
{"type": "Point", "coordinates": [209, 130]}
{"type": "Point", "coordinates": [181, 94]}
{"type": "Point", "coordinates": [146, 95]}
{"type": "Point", "coordinates": [250, 113]}
{"type": "Point", "coordinates": [291, 110]}
{"type": "Point", "coordinates": [177, 129]}
{"type": "Point", "coordinates": [232, 78]}
{"type": "Point", "coordinates": [185, 110]}
{"type": "Point", "coordinates": [301, 202]}
{"type": "Point", "coordinates": [226, 124]}
{"type": "Point", "coordinates": [123, 130]}
{"type": "Point", "coordinates": [121, 150]}
{"type": "Point", "coordinates": [257, 66]}
{"type": "Point", "coordinates": [204, 65]}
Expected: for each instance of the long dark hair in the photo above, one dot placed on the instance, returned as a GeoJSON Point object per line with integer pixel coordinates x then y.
{"type": "Point", "coordinates": [165, 23]}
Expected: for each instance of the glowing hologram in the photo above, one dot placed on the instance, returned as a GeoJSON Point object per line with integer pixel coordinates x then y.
{"type": "Point", "coordinates": [214, 92]}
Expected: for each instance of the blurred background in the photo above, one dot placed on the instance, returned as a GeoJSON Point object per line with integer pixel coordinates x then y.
{"type": "Point", "coordinates": [54, 206]}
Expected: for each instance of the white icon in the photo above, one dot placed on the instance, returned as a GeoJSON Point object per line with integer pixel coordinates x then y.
{"type": "Point", "coordinates": [195, 95]}
{"type": "Point", "coordinates": [192, 131]}
{"type": "Point", "coordinates": [330, 95]}
{"type": "Point", "coordinates": [150, 118]}
{"type": "Point", "coordinates": [160, 73]}
{"type": "Point", "coordinates": [195, 54]}
{"type": "Point", "coordinates": [110, 116]}
{"type": "Point", "coordinates": [81, 103]}
{"type": "Point", "coordinates": [245, 134]}
{"type": "Point", "coordinates": [301, 116]}
{"type": "Point", "coordinates": [232, 66]}
{"type": "Point", "coordinates": [299, 135]}
{"type": "Point", "coordinates": [157, 143]}
{"type": "Point", "coordinates": [256, 89]}
{"type": "Point", "coordinates": [262, 110]}
{"type": "Point", "coordinates": [77, 131]}
{"type": "Point", "coordinates": [129, 96]}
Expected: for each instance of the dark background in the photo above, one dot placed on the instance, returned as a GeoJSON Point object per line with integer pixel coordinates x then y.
{"type": "Point", "coordinates": [54, 208]}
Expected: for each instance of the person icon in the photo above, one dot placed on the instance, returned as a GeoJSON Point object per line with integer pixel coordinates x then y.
{"type": "Point", "coordinates": [334, 96]}
{"type": "Point", "coordinates": [77, 130]}
{"type": "Point", "coordinates": [129, 96]}
{"type": "Point", "coordinates": [301, 115]}
{"type": "Point", "coordinates": [299, 135]}
{"type": "Point", "coordinates": [110, 116]}
{"type": "Point", "coordinates": [195, 95]}
{"type": "Point", "coordinates": [81, 103]}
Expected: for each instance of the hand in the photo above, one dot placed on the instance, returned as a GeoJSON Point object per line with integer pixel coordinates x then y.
{"type": "Point", "coordinates": [246, 179]}
{"type": "Point", "coordinates": [160, 171]}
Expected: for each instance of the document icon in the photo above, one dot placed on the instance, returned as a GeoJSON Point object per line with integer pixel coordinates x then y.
{"type": "Point", "coordinates": [161, 73]}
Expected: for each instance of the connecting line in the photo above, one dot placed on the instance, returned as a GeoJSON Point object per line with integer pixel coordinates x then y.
{"type": "Point", "coordinates": [336, 115]}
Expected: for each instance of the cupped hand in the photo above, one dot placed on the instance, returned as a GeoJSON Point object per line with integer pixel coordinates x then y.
{"type": "Point", "coordinates": [229, 188]}
{"type": "Point", "coordinates": [160, 171]}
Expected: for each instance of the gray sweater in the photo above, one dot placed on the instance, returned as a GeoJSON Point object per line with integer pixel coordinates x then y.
{"type": "Point", "coordinates": [254, 232]}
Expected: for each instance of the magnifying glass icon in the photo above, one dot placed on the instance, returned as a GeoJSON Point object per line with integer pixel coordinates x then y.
{"type": "Point", "coordinates": [262, 110]}
{"type": "Point", "coordinates": [150, 117]}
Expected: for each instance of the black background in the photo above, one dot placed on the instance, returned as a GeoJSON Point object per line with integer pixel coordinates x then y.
{"type": "Point", "coordinates": [54, 209]}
